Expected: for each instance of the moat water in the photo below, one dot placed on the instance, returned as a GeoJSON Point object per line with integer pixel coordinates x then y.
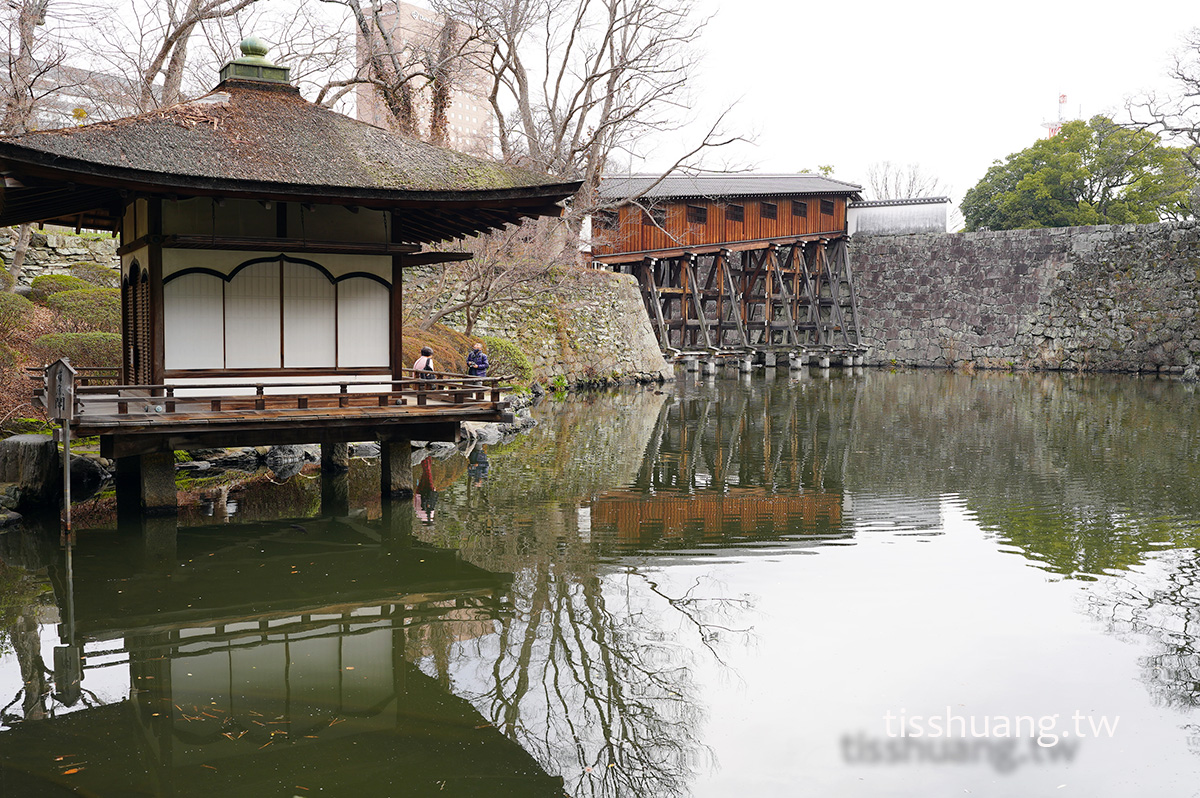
{"type": "Point", "coordinates": [852, 584]}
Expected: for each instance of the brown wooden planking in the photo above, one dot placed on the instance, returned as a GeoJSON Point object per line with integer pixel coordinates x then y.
{"type": "Point", "coordinates": [634, 235]}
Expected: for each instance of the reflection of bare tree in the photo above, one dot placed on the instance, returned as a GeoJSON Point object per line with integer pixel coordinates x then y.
{"type": "Point", "coordinates": [1160, 601]}
{"type": "Point", "coordinates": [592, 670]}
{"type": "Point", "coordinates": [21, 594]}
{"type": "Point", "coordinates": [591, 678]}
{"type": "Point", "coordinates": [36, 689]}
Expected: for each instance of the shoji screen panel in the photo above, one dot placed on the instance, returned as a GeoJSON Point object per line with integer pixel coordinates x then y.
{"type": "Point", "coordinates": [362, 323]}
{"type": "Point", "coordinates": [309, 318]}
{"type": "Point", "coordinates": [252, 318]}
{"type": "Point", "coordinates": [194, 326]}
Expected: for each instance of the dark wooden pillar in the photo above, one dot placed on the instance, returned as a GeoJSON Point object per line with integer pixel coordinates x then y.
{"type": "Point", "coordinates": [128, 482]}
{"type": "Point", "coordinates": [396, 310]}
{"type": "Point", "coordinates": [155, 267]}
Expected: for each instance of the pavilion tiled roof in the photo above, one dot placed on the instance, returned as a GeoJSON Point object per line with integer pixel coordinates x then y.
{"type": "Point", "coordinates": [255, 139]}
{"type": "Point", "coordinates": [244, 131]}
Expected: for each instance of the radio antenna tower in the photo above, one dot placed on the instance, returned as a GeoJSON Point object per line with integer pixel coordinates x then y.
{"type": "Point", "coordinates": [1053, 128]}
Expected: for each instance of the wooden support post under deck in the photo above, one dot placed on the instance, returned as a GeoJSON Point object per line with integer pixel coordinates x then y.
{"type": "Point", "coordinates": [335, 458]}
{"type": "Point", "coordinates": [647, 275]}
{"type": "Point", "coordinates": [157, 483]}
{"type": "Point", "coordinates": [793, 334]}
{"type": "Point", "coordinates": [128, 482]}
{"type": "Point", "coordinates": [689, 264]}
{"type": "Point", "coordinates": [395, 469]}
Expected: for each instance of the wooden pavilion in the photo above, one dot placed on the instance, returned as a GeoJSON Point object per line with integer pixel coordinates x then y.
{"type": "Point", "coordinates": [736, 265]}
{"type": "Point", "coordinates": [263, 240]}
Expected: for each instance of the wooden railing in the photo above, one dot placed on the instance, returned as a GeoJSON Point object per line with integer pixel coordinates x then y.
{"type": "Point", "coordinates": [96, 393]}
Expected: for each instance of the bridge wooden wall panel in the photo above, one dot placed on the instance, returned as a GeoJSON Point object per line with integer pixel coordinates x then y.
{"type": "Point", "coordinates": [634, 235]}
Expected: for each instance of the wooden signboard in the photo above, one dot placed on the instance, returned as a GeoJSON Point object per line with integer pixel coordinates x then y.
{"type": "Point", "coordinates": [60, 390]}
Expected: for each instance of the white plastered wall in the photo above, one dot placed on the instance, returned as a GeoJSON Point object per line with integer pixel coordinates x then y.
{"type": "Point", "coordinates": [212, 323]}
{"type": "Point", "coordinates": [251, 218]}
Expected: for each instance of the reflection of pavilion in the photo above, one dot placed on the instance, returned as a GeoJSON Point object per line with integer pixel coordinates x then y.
{"type": "Point", "coordinates": [276, 661]}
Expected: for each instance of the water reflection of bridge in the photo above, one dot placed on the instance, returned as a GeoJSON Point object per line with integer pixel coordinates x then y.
{"type": "Point", "coordinates": [282, 657]}
{"type": "Point", "coordinates": [736, 461]}
{"type": "Point", "coordinates": [634, 516]}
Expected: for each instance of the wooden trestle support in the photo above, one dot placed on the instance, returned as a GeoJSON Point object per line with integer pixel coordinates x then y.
{"type": "Point", "coordinates": [794, 296]}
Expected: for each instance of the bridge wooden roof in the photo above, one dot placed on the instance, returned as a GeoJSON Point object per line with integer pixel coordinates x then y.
{"type": "Point", "coordinates": [256, 140]}
{"type": "Point", "coordinates": [725, 185]}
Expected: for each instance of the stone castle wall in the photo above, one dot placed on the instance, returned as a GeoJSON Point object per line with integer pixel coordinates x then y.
{"type": "Point", "coordinates": [52, 253]}
{"type": "Point", "coordinates": [593, 328]}
{"type": "Point", "coordinates": [1114, 298]}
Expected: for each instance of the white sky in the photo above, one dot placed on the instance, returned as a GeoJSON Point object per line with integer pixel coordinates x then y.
{"type": "Point", "coordinates": [951, 86]}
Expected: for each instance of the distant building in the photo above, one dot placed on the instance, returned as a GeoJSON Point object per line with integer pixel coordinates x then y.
{"type": "Point", "coordinates": [68, 96]}
{"type": "Point", "coordinates": [469, 120]}
{"type": "Point", "coordinates": [898, 216]}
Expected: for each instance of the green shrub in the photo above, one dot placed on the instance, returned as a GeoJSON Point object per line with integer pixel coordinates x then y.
{"type": "Point", "coordinates": [14, 312]}
{"type": "Point", "coordinates": [8, 358]}
{"type": "Point", "coordinates": [82, 349]}
{"type": "Point", "coordinates": [45, 285]}
{"type": "Point", "coordinates": [97, 274]}
{"type": "Point", "coordinates": [505, 358]}
{"type": "Point", "coordinates": [89, 309]}
{"type": "Point", "coordinates": [6, 278]}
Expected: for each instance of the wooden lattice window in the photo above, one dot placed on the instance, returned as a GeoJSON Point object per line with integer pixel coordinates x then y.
{"type": "Point", "coordinates": [127, 314]}
{"type": "Point", "coordinates": [141, 330]}
{"type": "Point", "coordinates": [697, 214]}
{"type": "Point", "coordinates": [827, 207]}
{"type": "Point", "coordinates": [769, 210]}
{"type": "Point", "coordinates": [735, 213]}
{"type": "Point", "coordinates": [799, 208]}
{"type": "Point", "coordinates": [654, 217]}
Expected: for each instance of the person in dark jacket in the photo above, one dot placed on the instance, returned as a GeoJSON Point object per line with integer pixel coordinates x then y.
{"type": "Point", "coordinates": [477, 362]}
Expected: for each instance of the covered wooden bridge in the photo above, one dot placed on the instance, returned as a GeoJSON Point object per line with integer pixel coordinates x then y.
{"type": "Point", "coordinates": [263, 243]}
{"type": "Point", "coordinates": [743, 266]}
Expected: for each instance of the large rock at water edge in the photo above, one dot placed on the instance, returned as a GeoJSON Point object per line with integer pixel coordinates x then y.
{"type": "Point", "coordinates": [33, 463]}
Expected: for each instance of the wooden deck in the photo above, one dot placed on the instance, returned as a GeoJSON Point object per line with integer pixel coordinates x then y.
{"type": "Point", "coordinates": [140, 419]}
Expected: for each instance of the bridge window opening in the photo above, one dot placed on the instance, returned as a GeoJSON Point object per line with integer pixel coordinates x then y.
{"type": "Point", "coordinates": [799, 208]}
{"type": "Point", "coordinates": [769, 210]}
{"type": "Point", "coordinates": [827, 207]}
{"type": "Point", "coordinates": [735, 213]}
{"type": "Point", "coordinates": [697, 214]}
{"type": "Point", "coordinates": [654, 217]}
{"type": "Point", "coordinates": [605, 220]}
